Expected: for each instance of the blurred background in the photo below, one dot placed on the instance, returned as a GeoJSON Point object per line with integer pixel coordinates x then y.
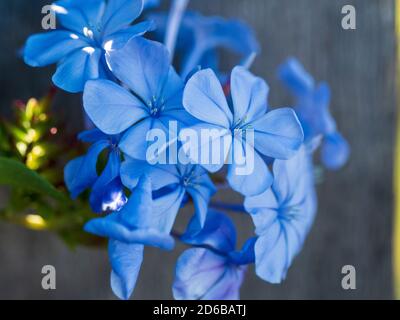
{"type": "Point", "coordinates": [355, 216]}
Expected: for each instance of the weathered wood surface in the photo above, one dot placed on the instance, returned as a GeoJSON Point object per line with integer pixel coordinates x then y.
{"type": "Point", "coordinates": [354, 223]}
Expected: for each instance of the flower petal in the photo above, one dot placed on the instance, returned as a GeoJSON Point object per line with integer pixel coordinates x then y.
{"type": "Point", "coordinates": [278, 134]}
{"type": "Point", "coordinates": [126, 260]}
{"type": "Point", "coordinates": [80, 173]}
{"type": "Point", "coordinates": [201, 274]}
{"type": "Point", "coordinates": [120, 38]}
{"type": "Point", "coordinates": [218, 232]}
{"type": "Point", "coordinates": [142, 65]}
{"type": "Point", "coordinates": [208, 145]}
{"type": "Point", "coordinates": [134, 143]}
{"type": "Point", "coordinates": [77, 68]}
{"type": "Point", "coordinates": [161, 176]}
{"type": "Point", "coordinates": [47, 48]}
{"type": "Point", "coordinates": [335, 151]}
{"type": "Point", "coordinates": [108, 192]}
{"type": "Point", "coordinates": [251, 177]}
{"type": "Point", "coordinates": [120, 13]}
{"type": "Point", "coordinates": [112, 108]}
{"type": "Point", "coordinates": [249, 95]}
{"type": "Point", "coordinates": [204, 99]}
{"type": "Point", "coordinates": [78, 15]}
{"type": "Point", "coordinates": [296, 78]}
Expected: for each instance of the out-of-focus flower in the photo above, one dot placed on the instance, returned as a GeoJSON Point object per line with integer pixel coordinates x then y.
{"type": "Point", "coordinates": [283, 216]}
{"type": "Point", "coordinates": [80, 174]}
{"type": "Point", "coordinates": [137, 224]}
{"type": "Point", "coordinates": [143, 66]}
{"type": "Point", "coordinates": [277, 133]}
{"type": "Point", "coordinates": [89, 30]}
{"type": "Point", "coordinates": [312, 108]}
{"type": "Point", "coordinates": [213, 270]}
{"type": "Point", "coordinates": [173, 183]}
{"type": "Point", "coordinates": [200, 38]}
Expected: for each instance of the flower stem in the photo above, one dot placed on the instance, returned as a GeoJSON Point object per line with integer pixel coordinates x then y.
{"type": "Point", "coordinates": [227, 206]}
{"type": "Point", "coordinates": [177, 11]}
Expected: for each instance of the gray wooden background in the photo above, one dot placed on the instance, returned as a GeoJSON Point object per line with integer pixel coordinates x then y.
{"type": "Point", "coordinates": [354, 223]}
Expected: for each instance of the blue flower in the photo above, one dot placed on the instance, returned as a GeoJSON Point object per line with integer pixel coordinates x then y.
{"type": "Point", "coordinates": [312, 108]}
{"type": "Point", "coordinates": [89, 30]}
{"type": "Point", "coordinates": [283, 216]}
{"type": "Point", "coordinates": [81, 173]}
{"type": "Point", "coordinates": [213, 270]}
{"type": "Point", "coordinates": [201, 37]}
{"type": "Point", "coordinates": [175, 181]}
{"type": "Point", "coordinates": [137, 224]}
{"type": "Point", "coordinates": [142, 66]}
{"type": "Point", "coordinates": [277, 134]}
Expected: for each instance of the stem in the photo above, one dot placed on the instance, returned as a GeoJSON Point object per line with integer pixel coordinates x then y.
{"type": "Point", "coordinates": [248, 62]}
{"type": "Point", "coordinates": [174, 21]}
{"type": "Point", "coordinates": [226, 206]}
{"type": "Point", "coordinates": [178, 236]}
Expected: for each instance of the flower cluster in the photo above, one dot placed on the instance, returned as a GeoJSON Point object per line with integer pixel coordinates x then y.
{"type": "Point", "coordinates": [133, 95]}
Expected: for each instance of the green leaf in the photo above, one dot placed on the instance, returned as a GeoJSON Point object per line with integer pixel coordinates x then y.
{"type": "Point", "coordinates": [14, 173]}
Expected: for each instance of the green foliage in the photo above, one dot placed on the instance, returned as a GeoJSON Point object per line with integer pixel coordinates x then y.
{"type": "Point", "coordinates": [14, 173]}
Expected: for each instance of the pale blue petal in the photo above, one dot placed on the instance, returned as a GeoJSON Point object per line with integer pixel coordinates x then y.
{"type": "Point", "coordinates": [78, 15]}
{"type": "Point", "coordinates": [126, 260]}
{"type": "Point", "coordinates": [134, 143]}
{"type": "Point", "coordinates": [143, 65]}
{"type": "Point", "coordinates": [201, 191]}
{"type": "Point", "coordinates": [112, 108]}
{"type": "Point", "coordinates": [211, 152]}
{"type": "Point", "coordinates": [47, 48]}
{"type": "Point", "coordinates": [160, 175]}
{"type": "Point", "coordinates": [120, 38]}
{"type": "Point", "coordinates": [249, 95]}
{"type": "Point", "coordinates": [278, 134]}
{"type": "Point", "coordinates": [120, 13]}
{"type": "Point", "coordinates": [112, 227]}
{"type": "Point", "coordinates": [203, 275]}
{"type": "Point", "coordinates": [77, 68]}
{"type": "Point", "coordinates": [252, 177]}
{"type": "Point", "coordinates": [166, 208]}
{"type": "Point", "coordinates": [204, 99]}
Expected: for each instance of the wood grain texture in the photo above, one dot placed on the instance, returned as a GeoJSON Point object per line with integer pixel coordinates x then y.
{"type": "Point", "coordinates": [354, 221]}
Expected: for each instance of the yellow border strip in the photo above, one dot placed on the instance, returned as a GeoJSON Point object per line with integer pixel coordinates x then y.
{"type": "Point", "coordinates": [396, 231]}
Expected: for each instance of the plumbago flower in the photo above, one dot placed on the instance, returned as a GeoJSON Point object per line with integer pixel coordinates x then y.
{"type": "Point", "coordinates": [131, 91]}
{"type": "Point", "coordinates": [137, 224]}
{"type": "Point", "coordinates": [89, 30]}
{"type": "Point", "coordinates": [156, 99]}
{"type": "Point", "coordinates": [81, 173]}
{"type": "Point", "coordinates": [200, 38]}
{"type": "Point", "coordinates": [213, 270]}
{"type": "Point", "coordinates": [312, 107]}
{"type": "Point", "coordinates": [283, 216]}
{"type": "Point", "coordinates": [277, 133]}
{"type": "Point", "coordinates": [176, 181]}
